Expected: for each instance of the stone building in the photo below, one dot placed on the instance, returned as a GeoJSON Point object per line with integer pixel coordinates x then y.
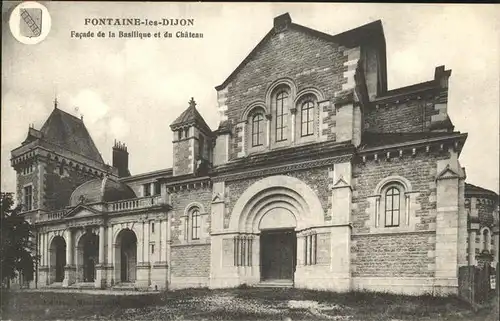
{"type": "Point", "coordinates": [317, 176]}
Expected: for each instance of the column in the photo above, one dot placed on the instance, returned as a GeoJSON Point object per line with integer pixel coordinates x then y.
{"type": "Point", "coordinates": [268, 129]}
{"type": "Point", "coordinates": [143, 267]}
{"type": "Point", "coordinates": [110, 257]}
{"type": "Point", "coordinates": [69, 269]}
{"type": "Point", "coordinates": [157, 235]}
{"type": "Point", "coordinates": [43, 269]}
{"type": "Point", "coordinates": [340, 242]}
{"type": "Point", "coordinates": [146, 252]}
{"type": "Point", "coordinates": [100, 280]}
{"type": "Point", "coordinates": [101, 244]}
{"type": "Point", "coordinates": [472, 247]}
{"type": "Point", "coordinates": [447, 208]}
{"type": "Point", "coordinates": [159, 271]}
{"type": "Point", "coordinates": [293, 111]}
{"type": "Point", "coordinates": [495, 246]}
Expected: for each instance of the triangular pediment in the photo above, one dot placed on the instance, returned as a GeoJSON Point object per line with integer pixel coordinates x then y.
{"type": "Point", "coordinates": [284, 34]}
{"type": "Point", "coordinates": [341, 182]}
{"type": "Point", "coordinates": [81, 211]}
{"type": "Point", "coordinates": [217, 198]}
{"type": "Point", "coordinates": [447, 173]}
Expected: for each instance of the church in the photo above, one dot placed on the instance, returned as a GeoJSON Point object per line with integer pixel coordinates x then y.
{"type": "Point", "coordinates": [317, 177]}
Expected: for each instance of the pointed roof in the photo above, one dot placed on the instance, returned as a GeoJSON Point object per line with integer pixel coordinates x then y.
{"type": "Point", "coordinates": [69, 132]}
{"type": "Point", "coordinates": [190, 116]}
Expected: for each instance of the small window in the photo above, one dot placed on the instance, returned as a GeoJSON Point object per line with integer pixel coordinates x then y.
{"type": "Point", "coordinates": [307, 119]}
{"type": "Point", "coordinates": [486, 240]}
{"type": "Point", "coordinates": [392, 207]}
{"type": "Point", "coordinates": [147, 189]}
{"type": "Point", "coordinates": [152, 227]}
{"type": "Point", "coordinates": [195, 224]}
{"type": "Point", "coordinates": [157, 188]}
{"type": "Point", "coordinates": [152, 249]}
{"type": "Point", "coordinates": [28, 197]}
{"type": "Point", "coordinates": [61, 169]}
{"type": "Point", "coordinates": [179, 134]}
{"type": "Point", "coordinates": [257, 130]}
{"type": "Point", "coordinates": [281, 116]}
{"type": "Point", "coordinates": [186, 132]}
{"type": "Point", "coordinates": [201, 142]}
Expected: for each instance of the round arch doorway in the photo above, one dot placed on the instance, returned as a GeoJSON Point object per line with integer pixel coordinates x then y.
{"type": "Point", "coordinates": [88, 255]}
{"type": "Point", "coordinates": [278, 245]}
{"type": "Point", "coordinates": [126, 256]}
{"type": "Point", "coordinates": [57, 258]}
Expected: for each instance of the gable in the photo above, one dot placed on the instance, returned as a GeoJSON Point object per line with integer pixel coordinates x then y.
{"type": "Point", "coordinates": [306, 59]}
{"type": "Point", "coordinates": [81, 211]}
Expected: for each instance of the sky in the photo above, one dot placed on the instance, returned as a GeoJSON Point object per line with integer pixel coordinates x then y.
{"type": "Point", "coordinates": [132, 90]}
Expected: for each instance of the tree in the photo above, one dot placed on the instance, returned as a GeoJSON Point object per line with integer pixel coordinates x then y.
{"type": "Point", "coordinates": [16, 247]}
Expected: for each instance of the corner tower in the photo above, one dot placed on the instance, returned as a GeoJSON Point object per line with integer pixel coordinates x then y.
{"type": "Point", "coordinates": [192, 142]}
{"type": "Point", "coordinates": [53, 161]}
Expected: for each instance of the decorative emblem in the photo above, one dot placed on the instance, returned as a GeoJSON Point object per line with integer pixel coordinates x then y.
{"type": "Point", "coordinates": [30, 22]}
{"type": "Point", "coordinates": [82, 199]}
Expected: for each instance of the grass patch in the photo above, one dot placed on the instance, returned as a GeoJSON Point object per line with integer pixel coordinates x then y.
{"type": "Point", "coordinates": [244, 303]}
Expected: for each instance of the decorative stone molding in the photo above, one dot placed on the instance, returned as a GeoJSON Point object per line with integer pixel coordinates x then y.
{"type": "Point", "coordinates": [282, 169]}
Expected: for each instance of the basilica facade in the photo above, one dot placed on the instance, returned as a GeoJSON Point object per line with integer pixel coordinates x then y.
{"type": "Point", "coordinates": [317, 177]}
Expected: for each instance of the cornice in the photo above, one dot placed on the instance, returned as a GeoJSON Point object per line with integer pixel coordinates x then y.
{"type": "Point", "coordinates": [282, 169]}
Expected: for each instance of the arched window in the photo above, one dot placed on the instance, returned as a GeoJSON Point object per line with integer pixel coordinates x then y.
{"type": "Point", "coordinates": [307, 119]}
{"type": "Point", "coordinates": [195, 224]}
{"type": "Point", "coordinates": [486, 240]}
{"type": "Point", "coordinates": [257, 130]}
{"type": "Point", "coordinates": [392, 206]}
{"type": "Point", "coordinates": [281, 115]}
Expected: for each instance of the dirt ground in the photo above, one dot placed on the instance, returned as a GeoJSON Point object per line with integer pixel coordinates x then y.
{"type": "Point", "coordinates": [237, 304]}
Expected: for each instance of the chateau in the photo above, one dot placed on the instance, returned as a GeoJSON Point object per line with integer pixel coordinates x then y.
{"type": "Point", "coordinates": [317, 177]}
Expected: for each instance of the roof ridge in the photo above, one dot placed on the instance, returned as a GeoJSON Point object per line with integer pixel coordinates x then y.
{"type": "Point", "coordinates": [67, 113]}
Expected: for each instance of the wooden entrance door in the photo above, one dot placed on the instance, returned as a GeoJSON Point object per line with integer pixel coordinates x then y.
{"type": "Point", "coordinates": [277, 252]}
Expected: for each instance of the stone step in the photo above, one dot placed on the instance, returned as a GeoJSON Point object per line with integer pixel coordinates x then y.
{"type": "Point", "coordinates": [82, 285]}
{"type": "Point", "coordinates": [275, 284]}
{"type": "Point", "coordinates": [125, 287]}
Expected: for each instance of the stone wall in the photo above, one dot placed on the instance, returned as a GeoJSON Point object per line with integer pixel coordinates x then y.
{"type": "Point", "coordinates": [309, 61]}
{"type": "Point", "coordinates": [397, 255]}
{"type": "Point", "coordinates": [407, 250]}
{"type": "Point", "coordinates": [183, 157]}
{"type": "Point", "coordinates": [58, 188]}
{"type": "Point", "coordinates": [400, 117]}
{"type": "Point", "coordinates": [190, 261]}
{"type": "Point", "coordinates": [26, 179]}
{"type": "Point", "coordinates": [184, 199]}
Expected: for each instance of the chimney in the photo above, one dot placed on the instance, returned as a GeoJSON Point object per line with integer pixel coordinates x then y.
{"type": "Point", "coordinates": [120, 159]}
{"type": "Point", "coordinates": [281, 22]}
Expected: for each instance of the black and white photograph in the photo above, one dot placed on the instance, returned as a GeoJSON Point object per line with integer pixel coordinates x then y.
{"type": "Point", "coordinates": [250, 161]}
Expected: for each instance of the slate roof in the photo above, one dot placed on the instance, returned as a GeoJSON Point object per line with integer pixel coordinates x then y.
{"type": "Point", "coordinates": [476, 190]}
{"type": "Point", "coordinates": [101, 190]}
{"type": "Point", "coordinates": [374, 140]}
{"type": "Point", "coordinates": [190, 116]}
{"type": "Point", "coordinates": [69, 132]}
